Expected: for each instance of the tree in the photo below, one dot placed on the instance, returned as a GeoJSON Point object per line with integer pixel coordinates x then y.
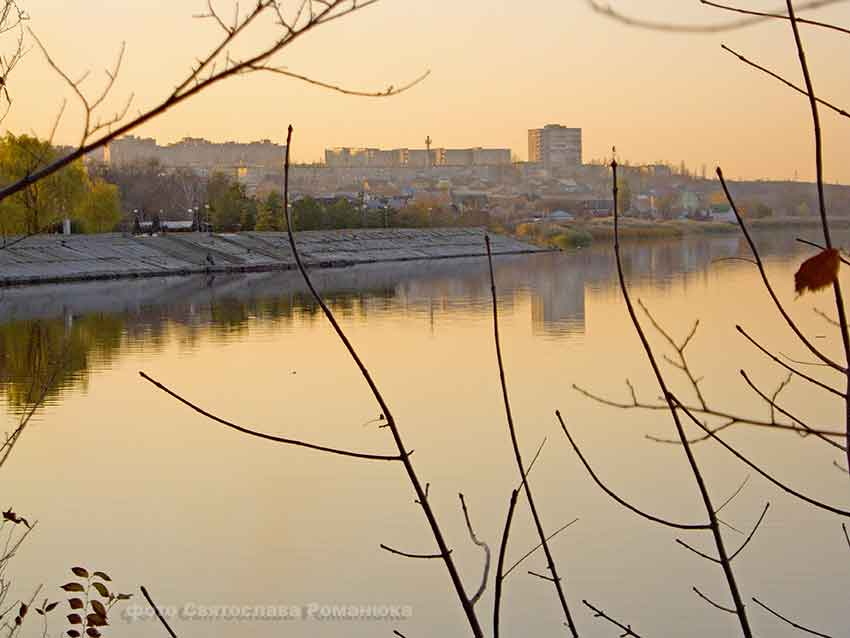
{"type": "Point", "coordinates": [266, 219]}
{"type": "Point", "coordinates": [100, 210]}
{"type": "Point", "coordinates": [307, 214]}
{"type": "Point", "coordinates": [44, 202]}
{"type": "Point", "coordinates": [342, 214]}
{"type": "Point", "coordinates": [624, 197]}
{"type": "Point", "coordinates": [274, 204]}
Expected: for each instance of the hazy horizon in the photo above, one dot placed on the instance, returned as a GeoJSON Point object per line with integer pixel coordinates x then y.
{"type": "Point", "coordinates": [497, 69]}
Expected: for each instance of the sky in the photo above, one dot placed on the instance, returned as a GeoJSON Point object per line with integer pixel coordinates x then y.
{"type": "Point", "coordinates": [497, 68]}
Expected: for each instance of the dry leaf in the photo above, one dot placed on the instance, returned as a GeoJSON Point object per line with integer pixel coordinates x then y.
{"type": "Point", "coordinates": [817, 272]}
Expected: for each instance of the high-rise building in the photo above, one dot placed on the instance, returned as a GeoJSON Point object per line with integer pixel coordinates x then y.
{"type": "Point", "coordinates": [555, 147]}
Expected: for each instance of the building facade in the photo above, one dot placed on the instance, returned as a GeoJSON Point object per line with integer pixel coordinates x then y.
{"type": "Point", "coordinates": [346, 157]}
{"type": "Point", "coordinates": [193, 152]}
{"type": "Point", "coordinates": [556, 147]}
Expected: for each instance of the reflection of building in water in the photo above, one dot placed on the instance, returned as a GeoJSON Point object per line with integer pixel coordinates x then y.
{"type": "Point", "coordinates": [90, 324]}
{"type": "Point", "coordinates": [557, 304]}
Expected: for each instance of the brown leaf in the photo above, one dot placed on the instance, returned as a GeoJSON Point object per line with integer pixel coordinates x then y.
{"type": "Point", "coordinates": [102, 576]}
{"type": "Point", "coordinates": [75, 619]}
{"type": "Point", "coordinates": [52, 606]}
{"type": "Point", "coordinates": [92, 632]}
{"type": "Point", "coordinates": [9, 515]}
{"type": "Point", "coordinates": [73, 587]}
{"type": "Point", "coordinates": [96, 620]}
{"type": "Point", "coordinates": [817, 272]}
{"type": "Point", "coordinates": [76, 603]}
{"type": "Point", "coordinates": [81, 572]}
{"type": "Point", "coordinates": [98, 608]}
{"type": "Point", "coordinates": [73, 633]}
{"type": "Point", "coordinates": [101, 589]}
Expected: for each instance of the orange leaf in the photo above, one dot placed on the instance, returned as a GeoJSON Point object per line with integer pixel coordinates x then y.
{"type": "Point", "coordinates": [817, 272]}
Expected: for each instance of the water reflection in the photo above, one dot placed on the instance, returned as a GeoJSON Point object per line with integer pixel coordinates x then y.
{"type": "Point", "coordinates": [77, 328]}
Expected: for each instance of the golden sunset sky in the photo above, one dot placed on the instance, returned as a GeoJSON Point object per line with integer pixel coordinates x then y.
{"type": "Point", "coordinates": [497, 68]}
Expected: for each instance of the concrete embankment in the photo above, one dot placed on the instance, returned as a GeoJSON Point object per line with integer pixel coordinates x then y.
{"type": "Point", "coordinates": [58, 258]}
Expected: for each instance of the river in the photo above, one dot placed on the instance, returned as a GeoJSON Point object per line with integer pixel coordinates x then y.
{"type": "Point", "coordinates": [125, 479]}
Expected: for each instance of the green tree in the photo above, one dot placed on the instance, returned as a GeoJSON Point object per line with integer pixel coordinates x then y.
{"type": "Point", "coordinates": [274, 204]}
{"type": "Point", "coordinates": [100, 210]}
{"type": "Point", "coordinates": [342, 214]}
{"type": "Point", "coordinates": [225, 200]}
{"type": "Point", "coordinates": [47, 201]}
{"type": "Point", "coordinates": [247, 211]}
{"type": "Point", "coordinates": [266, 219]}
{"type": "Point", "coordinates": [307, 214]}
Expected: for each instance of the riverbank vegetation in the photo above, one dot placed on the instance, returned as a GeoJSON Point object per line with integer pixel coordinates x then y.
{"type": "Point", "coordinates": [582, 233]}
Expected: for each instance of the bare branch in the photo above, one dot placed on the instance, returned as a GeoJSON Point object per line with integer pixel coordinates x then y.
{"type": "Point", "coordinates": [788, 621]}
{"type": "Point", "coordinates": [613, 495]}
{"type": "Point", "coordinates": [477, 595]}
{"type": "Point", "coordinates": [734, 494]}
{"type": "Point", "coordinates": [784, 412]}
{"type": "Point", "coordinates": [787, 83]}
{"type": "Point", "coordinates": [389, 91]}
{"type": "Point", "coordinates": [763, 473]}
{"type": "Point", "coordinates": [503, 547]}
{"type": "Point", "coordinates": [712, 603]}
{"type": "Point", "coordinates": [813, 244]}
{"type": "Point", "coordinates": [157, 612]}
{"type": "Point", "coordinates": [752, 533]}
{"type": "Point", "coordinates": [550, 561]}
{"type": "Point", "coordinates": [697, 552]}
{"type": "Point", "coordinates": [778, 16]}
{"type": "Point", "coordinates": [740, 610]}
{"type": "Point", "coordinates": [421, 496]}
{"type": "Point", "coordinates": [767, 284]}
{"type": "Point", "coordinates": [598, 613]}
{"type": "Point", "coordinates": [538, 546]}
{"type": "Point", "coordinates": [269, 437]}
{"type": "Point", "coordinates": [398, 552]}
{"type": "Point", "coordinates": [692, 28]}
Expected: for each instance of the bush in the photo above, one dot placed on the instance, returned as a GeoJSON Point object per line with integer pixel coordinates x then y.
{"type": "Point", "coordinates": [572, 239]}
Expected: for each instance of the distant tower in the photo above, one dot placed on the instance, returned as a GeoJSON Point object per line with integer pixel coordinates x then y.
{"type": "Point", "coordinates": [428, 152]}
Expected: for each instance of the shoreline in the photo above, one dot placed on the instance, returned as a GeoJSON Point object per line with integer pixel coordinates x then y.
{"type": "Point", "coordinates": [54, 259]}
{"type": "Point", "coordinates": [581, 233]}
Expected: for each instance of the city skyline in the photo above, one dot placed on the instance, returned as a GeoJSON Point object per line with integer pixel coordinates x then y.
{"type": "Point", "coordinates": [656, 96]}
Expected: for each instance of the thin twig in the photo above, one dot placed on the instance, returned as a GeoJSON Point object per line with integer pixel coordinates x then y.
{"type": "Point", "coordinates": [787, 83]}
{"type": "Point", "coordinates": [398, 552]}
{"type": "Point", "coordinates": [778, 16]}
{"type": "Point", "coordinates": [784, 412]}
{"type": "Point", "coordinates": [268, 437]}
{"type": "Point", "coordinates": [712, 603]}
{"type": "Point", "coordinates": [556, 580]}
{"type": "Point", "coordinates": [500, 563]}
{"type": "Point", "coordinates": [598, 613]}
{"type": "Point", "coordinates": [157, 612]}
{"type": "Point", "coordinates": [740, 610]}
{"type": "Point", "coordinates": [421, 496]}
{"type": "Point", "coordinates": [830, 362]}
{"type": "Point", "coordinates": [606, 10]}
{"type": "Point", "coordinates": [538, 546]}
{"type": "Point", "coordinates": [618, 499]}
{"type": "Point", "coordinates": [734, 494]}
{"type": "Point", "coordinates": [752, 533]}
{"type": "Point", "coordinates": [477, 595]}
{"type": "Point", "coordinates": [836, 284]}
{"type": "Point", "coordinates": [789, 621]}
{"type": "Point", "coordinates": [763, 473]}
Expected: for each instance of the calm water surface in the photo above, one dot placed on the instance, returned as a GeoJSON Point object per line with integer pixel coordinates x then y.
{"type": "Point", "coordinates": [125, 479]}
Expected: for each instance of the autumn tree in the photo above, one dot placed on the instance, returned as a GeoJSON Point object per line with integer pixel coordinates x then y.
{"type": "Point", "coordinates": [100, 211]}
{"type": "Point", "coordinates": [44, 202]}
